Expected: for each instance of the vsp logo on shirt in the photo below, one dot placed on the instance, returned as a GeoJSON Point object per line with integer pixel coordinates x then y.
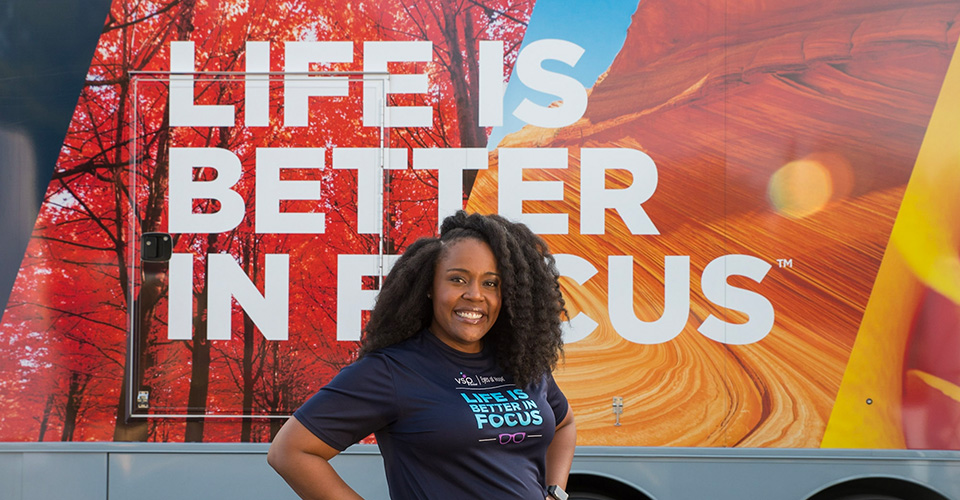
{"type": "Point", "coordinates": [465, 380]}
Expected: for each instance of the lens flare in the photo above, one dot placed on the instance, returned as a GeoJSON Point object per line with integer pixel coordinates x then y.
{"type": "Point", "coordinates": [800, 188]}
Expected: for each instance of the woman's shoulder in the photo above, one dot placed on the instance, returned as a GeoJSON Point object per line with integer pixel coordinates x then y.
{"type": "Point", "coordinates": [384, 362]}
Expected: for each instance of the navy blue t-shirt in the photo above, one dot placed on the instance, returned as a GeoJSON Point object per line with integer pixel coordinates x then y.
{"type": "Point", "coordinates": [449, 424]}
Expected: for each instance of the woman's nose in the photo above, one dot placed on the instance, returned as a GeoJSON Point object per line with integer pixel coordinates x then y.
{"type": "Point", "coordinates": [472, 292]}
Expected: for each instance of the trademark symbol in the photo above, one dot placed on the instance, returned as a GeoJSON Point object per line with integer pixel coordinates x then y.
{"type": "Point", "coordinates": [785, 263]}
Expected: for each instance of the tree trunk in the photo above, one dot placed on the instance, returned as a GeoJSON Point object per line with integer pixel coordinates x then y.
{"type": "Point", "coordinates": [46, 416]}
{"type": "Point", "coordinates": [464, 74]}
{"type": "Point", "coordinates": [200, 362]}
{"type": "Point", "coordinates": [249, 342]}
{"type": "Point", "coordinates": [248, 380]}
{"type": "Point", "coordinates": [74, 400]}
{"type": "Point", "coordinates": [124, 428]}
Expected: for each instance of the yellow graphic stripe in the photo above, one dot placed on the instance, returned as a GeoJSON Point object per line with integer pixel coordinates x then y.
{"type": "Point", "coordinates": [948, 388]}
{"type": "Point", "coordinates": [922, 253]}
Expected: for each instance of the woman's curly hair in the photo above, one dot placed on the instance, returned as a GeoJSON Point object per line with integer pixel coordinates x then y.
{"type": "Point", "coordinates": [526, 337]}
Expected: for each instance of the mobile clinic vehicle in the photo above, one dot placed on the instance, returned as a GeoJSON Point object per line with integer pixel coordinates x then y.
{"type": "Point", "coordinates": [753, 204]}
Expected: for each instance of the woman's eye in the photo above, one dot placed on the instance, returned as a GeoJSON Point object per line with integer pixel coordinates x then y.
{"type": "Point", "coordinates": [493, 284]}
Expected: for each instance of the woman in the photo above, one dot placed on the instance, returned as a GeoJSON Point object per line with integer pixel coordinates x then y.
{"type": "Point", "coordinates": [453, 378]}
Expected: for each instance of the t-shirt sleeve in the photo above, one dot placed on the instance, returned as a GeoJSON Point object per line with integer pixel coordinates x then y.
{"type": "Point", "coordinates": [360, 400]}
{"type": "Point", "coordinates": [556, 399]}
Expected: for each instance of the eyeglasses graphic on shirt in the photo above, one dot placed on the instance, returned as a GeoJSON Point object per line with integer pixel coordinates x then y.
{"type": "Point", "coordinates": [516, 437]}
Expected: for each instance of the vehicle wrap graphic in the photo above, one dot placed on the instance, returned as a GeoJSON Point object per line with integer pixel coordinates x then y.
{"type": "Point", "coordinates": [752, 206]}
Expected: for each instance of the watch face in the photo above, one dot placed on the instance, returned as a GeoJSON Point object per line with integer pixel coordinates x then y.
{"type": "Point", "coordinates": [556, 492]}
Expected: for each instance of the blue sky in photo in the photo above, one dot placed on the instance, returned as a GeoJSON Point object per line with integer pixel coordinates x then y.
{"type": "Point", "coordinates": [600, 27]}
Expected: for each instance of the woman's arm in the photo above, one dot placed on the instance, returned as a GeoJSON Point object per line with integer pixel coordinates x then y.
{"type": "Point", "coordinates": [560, 451]}
{"type": "Point", "coordinates": [302, 459]}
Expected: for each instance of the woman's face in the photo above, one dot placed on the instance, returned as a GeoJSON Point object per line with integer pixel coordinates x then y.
{"type": "Point", "coordinates": [466, 294]}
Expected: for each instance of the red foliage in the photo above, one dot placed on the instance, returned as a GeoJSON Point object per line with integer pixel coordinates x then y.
{"type": "Point", "coordinates": [63, 352]}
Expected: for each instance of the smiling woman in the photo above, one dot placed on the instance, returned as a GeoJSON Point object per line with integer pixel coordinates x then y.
{"type": "Point", "coordinates": [454, 376]}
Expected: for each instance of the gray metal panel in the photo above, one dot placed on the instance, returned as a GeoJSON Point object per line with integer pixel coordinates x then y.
{"type": "Point", "coordinates": [77, 476]}
{"type": "Point", "coordinates": [162, 476]}
{"type": "Point", "coordinates": [240, 472]}
{"type": "Point", "coordinates": [236, 475]}
{"type": "Point", "coordinates": [768, 474]}
{"type": "Point", "coordinates": [11, 470]}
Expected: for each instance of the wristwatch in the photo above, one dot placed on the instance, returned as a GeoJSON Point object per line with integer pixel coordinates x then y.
{"type": "Point", "coordinates": [556, 492]}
